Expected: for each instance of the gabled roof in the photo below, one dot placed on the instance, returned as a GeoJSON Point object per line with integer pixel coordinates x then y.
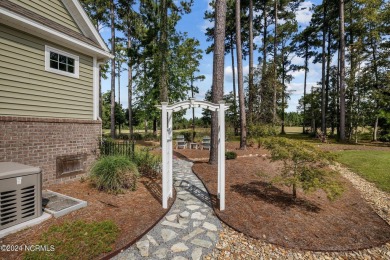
{"type": "Point", "coordinates": [90, 42]}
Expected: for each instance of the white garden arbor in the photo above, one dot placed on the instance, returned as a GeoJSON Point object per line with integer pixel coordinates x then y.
{"type": "Point", "coordinates": [167, 144]}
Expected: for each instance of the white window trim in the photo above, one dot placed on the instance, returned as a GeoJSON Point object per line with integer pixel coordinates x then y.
{"type": "Point", "coordinates": [48, 49]}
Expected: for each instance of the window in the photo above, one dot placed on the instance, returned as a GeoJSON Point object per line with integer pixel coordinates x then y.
{"type": "Point", "coordinates": [61, 62]}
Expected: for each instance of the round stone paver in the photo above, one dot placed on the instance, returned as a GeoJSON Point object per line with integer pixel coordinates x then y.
{"type": "Point", "coordinates": [188, 231]}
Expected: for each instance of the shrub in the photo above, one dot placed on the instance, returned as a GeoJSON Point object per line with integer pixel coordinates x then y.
{"type": "Point", "coordinates": [384, 136]}
{"type": "Point", "coordinates": [114, 173]}
{"type": "Point", "coordinates": [151, 137]}
{"type": "Point", "coordinates": [123, 136]}
{"type": "Point", "coordinates": [137, 136]}
{"type": "Point", "coordinates": [149, 165]}
{"type": "Point", "coordinates": [76, 240]}
{"type": "Point", "coordinates": [262, 131]}
{"type": "Point", "coordinates": [303, 165]}
{"type": "Point", "coordinates": [187, 135]}
{"type": "Point", "coordinates": [230, 155]}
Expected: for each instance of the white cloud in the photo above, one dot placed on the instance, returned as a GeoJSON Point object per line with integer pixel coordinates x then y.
{"type": "Point", "coordinates": [206, 24]}
{"type": "Point", "coordinates": [304, 13]}
{"type": "Point", "coordinates": [229, 72]}
{"type": "Point", "coordinates": [297, 88]}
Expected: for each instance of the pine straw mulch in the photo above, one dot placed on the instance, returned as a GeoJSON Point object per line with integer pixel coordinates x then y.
{"type": "Point", "coordinates": [267, 212]}
{"type": "Point", "coordinates": [134, 212]}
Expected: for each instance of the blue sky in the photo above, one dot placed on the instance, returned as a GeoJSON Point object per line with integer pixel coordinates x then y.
{"type": "Point", "coordinates": [195, 25]}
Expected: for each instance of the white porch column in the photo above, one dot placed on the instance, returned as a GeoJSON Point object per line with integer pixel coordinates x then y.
{"type": "Point", "coordinates": [221, 122]}
{"type": "Point", "coordinates": [170, 154]}
{"type": "Point", "coordinates": [165, 176]}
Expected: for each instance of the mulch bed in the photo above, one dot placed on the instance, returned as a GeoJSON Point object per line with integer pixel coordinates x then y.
{"type": "Point", "coordinates": [267, 212]}
{"type": "Point", "coordinates": [133, 212]}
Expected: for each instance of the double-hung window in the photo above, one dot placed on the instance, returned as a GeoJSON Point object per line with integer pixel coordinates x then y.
{"type": "Point", "coordinates": [61, 62]}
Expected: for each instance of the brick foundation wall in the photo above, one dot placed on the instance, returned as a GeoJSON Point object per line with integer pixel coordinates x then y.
{"type": "Point", "coordinates": [39, 141]}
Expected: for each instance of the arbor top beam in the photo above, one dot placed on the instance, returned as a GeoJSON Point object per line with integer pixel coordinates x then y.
{"type": "Point", "coordinates": [192, 103]}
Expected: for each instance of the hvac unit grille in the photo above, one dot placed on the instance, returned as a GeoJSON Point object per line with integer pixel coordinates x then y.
{"type": "Point", "coordinates": [8, 206]}
{"type": "Point", "coordinates": [28, 201]}
{"type": "Point", "coordinates": [20, 194]}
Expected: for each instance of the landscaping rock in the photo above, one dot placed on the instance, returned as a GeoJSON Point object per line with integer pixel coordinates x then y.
{"type": "Point", "coordinates": [202, 243]}
{"type": "Point", "coordinates": [143, 247]}
{"type": "Point", "coordinates": [184, 214]}
{"type": "Point", "coordinates": [171, 224]}
{"type": "Point", "coordinates": [152, 240]}
{"type": "Point", "coordinates": [209, 226]}
{"type": "Point", "coordinates": [161, 253]}
{"type": "Point", "coordinates": [193, 207]}
{"type": "Point", "coordinates": [193, 234]}
{"type": "Point", "coordinates": [198, 216]}
{"type": "Point", "coordinates": [196, 254]}
{"type": "Point", "coordinates": [179, 247]}
{"type": "Point", "coordinates": [172, 217]}
{"type": "Point", "coordinates": [168, 234]}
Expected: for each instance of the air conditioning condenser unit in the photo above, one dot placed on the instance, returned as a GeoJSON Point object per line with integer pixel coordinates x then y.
{"type": "Point", "coordinates": [20, 193]}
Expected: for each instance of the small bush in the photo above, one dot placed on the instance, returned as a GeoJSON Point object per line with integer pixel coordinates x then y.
{"type": "Point", "coordinates": [230, 155]}
{"type": "Point", "coordinates": [137, 136]}
{"type": "Point", "coordinates": [114, 173]}
{"type": "Point", "coordinates": [149, 165]}
{"type": "Point", "coordinates": [304, 165]}
{"type": "Point", "coordinates": [76, 240]}
{"type": "Point", "coordinates": [151, 137]}
{"type": "Point", "coordinates": [384, 137]}
{"type": "Point", "coordinates": [123, 136]}
{"type": "Point", "coordinates": [187, 135]}
{"type": "Point", "coordinates": [262, 131]}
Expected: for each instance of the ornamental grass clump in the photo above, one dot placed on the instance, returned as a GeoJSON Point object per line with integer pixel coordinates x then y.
{"type": "Point", "coordinates": [304, 166]}
{"type": "Point", "coordinates": [149, 165]}
{"type": "Point", "coordinates": [114, 174]}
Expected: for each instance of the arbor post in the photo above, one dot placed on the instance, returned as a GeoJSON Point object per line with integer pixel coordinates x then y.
{"type": "Point", "coordinates": [170, 154]}
{"type": "Point", "coordinates": [221, 155]}
{"type": "Point", "coordinates": [165, 175]}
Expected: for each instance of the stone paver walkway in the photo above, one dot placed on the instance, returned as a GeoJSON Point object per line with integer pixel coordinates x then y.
{"type": "Point", "coordinates": [188, 231]}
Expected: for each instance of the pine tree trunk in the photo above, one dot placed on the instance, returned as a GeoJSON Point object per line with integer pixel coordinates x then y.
{"type": "Point", "coordinates": [119, 90]}
{"type": "Point", "coordinates": [342, 72]}
{"type": "Point", "coordinates": [275, 71]}
{"type": "Point", "coordinates": [164, 52]}
{"type": "Point", "coordinates": [324, 29]}
{"type": "Point", "coordinates": [130, 86]}
{"type": "Point", "coordinates": [305, 85]}
{"type": "Point", "coordinates": [234, 87]}
{"type": "Point", "coordinates": [327, 81]}
{"type": "Point", "coordinates": [251, 86]}
{"type": "Point", "coordinates": [112, 18]}
{"type": "Point", "coordinates": [241, 97]}
{"type": "Point", "coordinates": [283, 93]}
{"type": "Point", "coordinates": [218, 73]}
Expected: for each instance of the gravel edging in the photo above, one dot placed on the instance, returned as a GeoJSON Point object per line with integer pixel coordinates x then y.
{"type": "Point", "coordinates": [379, 200]}
{"type": "Point", "coordinates": [235, 245]}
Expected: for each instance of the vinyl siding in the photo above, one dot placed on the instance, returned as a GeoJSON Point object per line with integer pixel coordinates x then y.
{"type": "Point", "coordinates": [51, 9]}
{"type": "Point", "coordinates": [26, 89]}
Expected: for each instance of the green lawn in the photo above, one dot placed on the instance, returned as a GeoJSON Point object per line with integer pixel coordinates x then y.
{"type": "Point", "coordinates": [374, 166]}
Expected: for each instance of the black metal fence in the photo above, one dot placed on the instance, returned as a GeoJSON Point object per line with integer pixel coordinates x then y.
{"type": "Point", "coordinates": [109, 147]}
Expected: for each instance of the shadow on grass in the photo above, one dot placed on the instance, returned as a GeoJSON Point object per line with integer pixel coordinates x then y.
{"type": "Point", "coordinates": [270, 194]}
